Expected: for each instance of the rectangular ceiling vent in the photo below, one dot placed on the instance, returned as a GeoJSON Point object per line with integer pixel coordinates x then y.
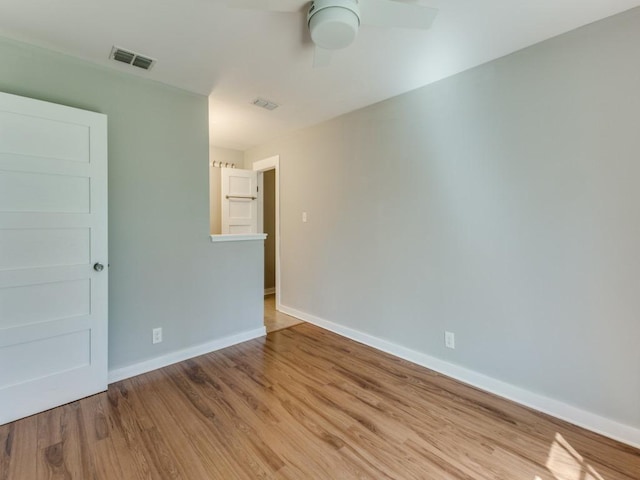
{"type": "Point", "coordinates": [262, 103]}
{"type": "Point", "coordinates": [132, 58]}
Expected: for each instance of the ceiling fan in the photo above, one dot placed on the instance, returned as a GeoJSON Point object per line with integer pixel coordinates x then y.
{"type": "Point", "coordinates": [334, 24]}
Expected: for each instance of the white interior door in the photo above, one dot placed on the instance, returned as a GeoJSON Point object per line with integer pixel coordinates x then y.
{"type": "Point", "coordinates": [239, 201]}
{"type": "Point", "coordinates": [53, 229]}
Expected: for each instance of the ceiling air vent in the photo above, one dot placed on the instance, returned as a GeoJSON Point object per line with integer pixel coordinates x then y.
{"type": "Point", "coordinates": [125, 56]}
{"type": "Point", "coordinates": [261, 102]}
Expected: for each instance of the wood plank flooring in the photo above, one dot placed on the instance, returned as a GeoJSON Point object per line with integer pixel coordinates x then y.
{"type": "Point", "coordinates": [275, 320]}
{"type": "Point", "coordinates": [303, 403]}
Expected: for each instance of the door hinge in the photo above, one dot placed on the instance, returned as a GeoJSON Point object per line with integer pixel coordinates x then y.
{"type": "Point", "coordinates": [257, 188]}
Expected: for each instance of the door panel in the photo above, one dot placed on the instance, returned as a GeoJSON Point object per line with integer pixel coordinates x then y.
{"type": "Point", "coordinates": [240, 210]}
{"type": "Point", "coordinates": [55, 301]}
{"type": "Point", "coordinates": [24, 248]}
{"type": "Point", "coordinates": [36, 192]}
{"type": "Point", "coordinates": [37, 136]}
{"type": "Point", "coordinates": [53, 228]}
{"type": "Point", "coordinates": [44, 357]}
{"type": "Point", "coordinates": [240, 183]}
{"type": "Point", "coordinates": [239, 201]}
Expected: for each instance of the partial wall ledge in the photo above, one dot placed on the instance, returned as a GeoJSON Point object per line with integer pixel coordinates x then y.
{"type": "Point", "coordinates": [238, 237]}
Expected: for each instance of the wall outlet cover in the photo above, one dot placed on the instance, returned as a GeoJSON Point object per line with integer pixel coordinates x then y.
{"type": "Point", "coordinates": [157, 335]}
{"type": "Point", "coordinates": [449, 340]}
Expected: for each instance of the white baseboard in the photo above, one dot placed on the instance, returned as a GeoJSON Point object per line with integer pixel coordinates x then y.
{"type": "Point", "coordinates": [269, 291]}
{"type": "Point", "coordinates": [577, 416]}
{"type": "Point", "coordinates": [174, 357]}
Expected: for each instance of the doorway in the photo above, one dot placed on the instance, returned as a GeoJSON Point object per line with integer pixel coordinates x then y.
{"type": "Point", "coordinates": [275, 320]}
{"type": "Point", "coordinates": [269, 223]}
{"type": "Point", "coordinates": [269, 227]}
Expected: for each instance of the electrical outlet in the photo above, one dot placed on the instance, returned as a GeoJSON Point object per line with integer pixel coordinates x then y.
{"type": "Point", "coordinates": [157, 335]}
{"type": "Point", "coordinates": [449, 340]}
{"type": "Point", "coordinates": [304, 217]}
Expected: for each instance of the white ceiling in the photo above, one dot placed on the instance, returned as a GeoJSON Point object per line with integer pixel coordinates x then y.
{"type": "Point", "coordinates": [236, 55]}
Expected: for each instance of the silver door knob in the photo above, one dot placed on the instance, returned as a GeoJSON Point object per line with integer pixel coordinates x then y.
{"type": "Point", "coordinates": [98, 267]}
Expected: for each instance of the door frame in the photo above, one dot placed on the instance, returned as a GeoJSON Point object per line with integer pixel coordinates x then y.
{"type": "Point", "coordinates": [261, 166]}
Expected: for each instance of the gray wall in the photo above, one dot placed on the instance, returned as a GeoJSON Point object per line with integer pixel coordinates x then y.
{"type": "Point", "coordinates": [501, 204]}
{"type": "Point", "coordinates": [164, 270]}
{"type": "Point", "coordinates": [269, 217]}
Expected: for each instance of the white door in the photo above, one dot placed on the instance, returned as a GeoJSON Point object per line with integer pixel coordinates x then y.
{"type": "Point", "coordinates": [239, 201]}
{"type": "Point", "coordinates": [53, 229]}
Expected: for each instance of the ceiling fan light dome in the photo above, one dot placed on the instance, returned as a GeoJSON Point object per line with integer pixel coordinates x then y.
{"type": "Point", "coordinates": [334, 26]}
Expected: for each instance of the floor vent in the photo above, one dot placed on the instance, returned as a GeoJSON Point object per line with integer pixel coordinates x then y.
{"type": "Point", "coordinates": [125, 56]}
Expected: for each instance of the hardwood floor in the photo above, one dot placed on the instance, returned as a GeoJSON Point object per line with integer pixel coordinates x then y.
{"type": "Point", "coordinates": [275, 320]}
{"type": "Point", "coordinates": [303, 403]}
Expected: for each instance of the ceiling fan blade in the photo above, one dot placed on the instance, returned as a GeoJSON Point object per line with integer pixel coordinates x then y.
{"type": "Point", "coordinates": [321, 57]}
{"type": "Point", "coordinates": [387, 13]}
{"type": "Point", "coordinates": [269, 5]}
